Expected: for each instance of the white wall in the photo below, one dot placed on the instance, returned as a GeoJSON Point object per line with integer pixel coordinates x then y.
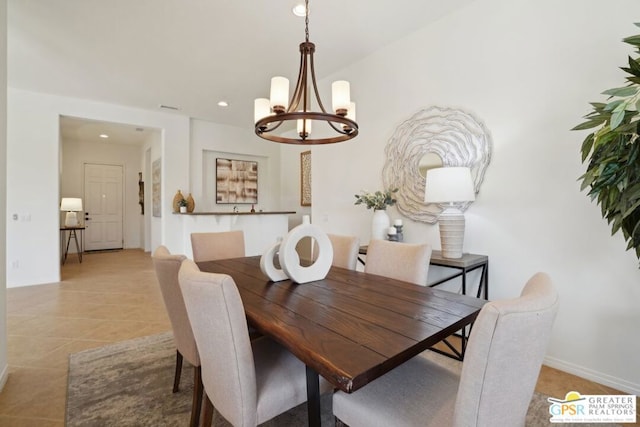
{"type": "Point", "coordinates": [290, 181]}
{"type": "Point", "coordinates": [33, 145]}
{"type": "Point", "coordinates": [4, 367]}
{"type": "Point", "coordinates": [77, 153]}
{"type": "Point", "coordinates": [528, 69]}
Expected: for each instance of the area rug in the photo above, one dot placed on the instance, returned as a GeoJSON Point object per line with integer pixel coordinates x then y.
{"type": "Point", "coordinates": [129, 384]}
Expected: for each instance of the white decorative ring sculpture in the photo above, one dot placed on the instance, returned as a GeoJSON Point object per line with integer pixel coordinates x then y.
{"type": "Point", "coordinates": [290, 261]}
{"type": "Point", "coordinates": [268, 268]}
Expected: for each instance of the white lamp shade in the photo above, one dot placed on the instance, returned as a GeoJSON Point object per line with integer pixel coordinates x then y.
{"type": "Point", "coordinates": [71, 204]}
{"type": "Point", "coordinates": [307, 126]}
{"type": "Point", "coordinates": [261, 109]}
{"type": "Point", "coordinates": [279, 94]}
{"type": "Point", "coordinates": [449, 185]}
{"type": "Point", "coordinates": [351, 114]}
{"type": "Point", "coordinates": [340, 95]}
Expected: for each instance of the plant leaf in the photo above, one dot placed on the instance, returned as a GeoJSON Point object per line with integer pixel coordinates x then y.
{"type": "Point", "coordinates": [616, 118]}
{"type": "Point", "coordinates": [613, 105]}
{"type": "Point", "coordinates": [621, 91]}
{"type": "Point", "coordinates": [589, 124]}
{"type": "Point", "coordinates": [634, 40]}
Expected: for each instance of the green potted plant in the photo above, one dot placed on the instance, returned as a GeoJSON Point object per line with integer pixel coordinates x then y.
{"type": "Point", "coordinates": [378, 201]}
{"type": "Point", "coordinates": [612, 154]}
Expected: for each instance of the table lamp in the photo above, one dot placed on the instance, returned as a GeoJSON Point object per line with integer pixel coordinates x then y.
{"type": "Point", "coordinates": [71, 206]}
{"type": "Point", "coordinates": [450, 186]}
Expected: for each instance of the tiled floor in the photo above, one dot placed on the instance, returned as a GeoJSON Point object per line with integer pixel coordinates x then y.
{"type": "Point", "coordinates": [109, 297]}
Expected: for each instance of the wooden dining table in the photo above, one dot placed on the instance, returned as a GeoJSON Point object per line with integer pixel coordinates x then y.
{"type": "Point", "coordinates": [350, 327]}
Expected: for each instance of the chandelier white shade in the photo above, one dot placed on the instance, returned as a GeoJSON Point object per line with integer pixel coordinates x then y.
{"type": "Point", "coordinates": [279, 96]}
{"type": "Point", "coordinates": [261, 108]}
{"type": "Point", "coordinates": [271, 114]}
{"type": "Point", "coordinates": [71, 205]}
{"type": "Point", "coordinates": [450, 185]}
{"type": "Point", "coordinates": [341, 96]}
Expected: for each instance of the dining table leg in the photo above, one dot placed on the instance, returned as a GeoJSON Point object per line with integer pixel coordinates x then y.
{"type": "Point", "coordinates": [313, 398]}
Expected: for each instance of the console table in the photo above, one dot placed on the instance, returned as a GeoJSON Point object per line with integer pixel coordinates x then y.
{"type": "Point", "coordinates": [464, 265]}
{"type": "Point", "coordinates": [72, 235]}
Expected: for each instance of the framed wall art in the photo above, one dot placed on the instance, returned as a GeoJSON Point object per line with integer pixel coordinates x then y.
{"type": "Point", "coordinates": [305, 178]}
{"type": "Point", "coordinates": [141, 193]}
{"type": "Point", "coordinates": [236, 181]}
{"type": "Point", "coordinates": [155, 188]}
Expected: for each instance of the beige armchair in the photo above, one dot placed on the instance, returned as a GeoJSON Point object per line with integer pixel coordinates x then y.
{"type": "Point", "coordinates": [506, 348]}
{"type": "Point", "coordinates": [167, 267]}
{"type": "Point", "coordinates": [401, 261]}
{"type": "Point", "coordinates": [249, 382]}
{"type": "Point", "coordinates": [219, 245]}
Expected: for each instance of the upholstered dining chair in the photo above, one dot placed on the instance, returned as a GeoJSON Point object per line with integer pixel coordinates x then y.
{"type": "Point", "coordinates": [345, 250]}
{"type": "Point", "coordinates": [507, 344]}
{"type": "Point", "coordinates": [401, 261]}
{"type": "Point", "coordinates": [217, 245]}
{"type": "Point", "coordinates": [248, 382]}
{"type": "Point", "coordinates": [167, 267]}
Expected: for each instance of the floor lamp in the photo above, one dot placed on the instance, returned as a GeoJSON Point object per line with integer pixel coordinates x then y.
{"type": "Point", "coordinates": [71, 206]}
{"type": "Point", "coordinates": [450, 186]}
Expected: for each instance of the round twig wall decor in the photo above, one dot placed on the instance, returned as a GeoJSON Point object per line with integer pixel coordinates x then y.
{"type": "Point", "coordinates": [433, 137]}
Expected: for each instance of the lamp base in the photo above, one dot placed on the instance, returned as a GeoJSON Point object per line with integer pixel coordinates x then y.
{"type": "Point", "coordinates": [71, 220]}
{"type": "Point", "coordinates": [451, 223]}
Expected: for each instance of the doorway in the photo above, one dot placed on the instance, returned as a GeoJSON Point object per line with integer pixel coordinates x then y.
{"type": "Point", "coordinates": [103, 206]}
{"type": "Point", "coordinates": [102, 144]}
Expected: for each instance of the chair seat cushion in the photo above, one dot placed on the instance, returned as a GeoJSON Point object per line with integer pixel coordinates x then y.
{"type": "Point", "coordinates": [280, 379]}
{"type": "Point", "coordinates": [398, 398]}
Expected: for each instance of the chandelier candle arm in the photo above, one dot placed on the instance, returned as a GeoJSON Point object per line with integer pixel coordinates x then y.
{"type": "Point", "coordinates": [270, 114]}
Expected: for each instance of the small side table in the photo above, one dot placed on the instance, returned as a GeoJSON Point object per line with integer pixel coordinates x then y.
{"type": "Point", "coordinates": [73, 234]}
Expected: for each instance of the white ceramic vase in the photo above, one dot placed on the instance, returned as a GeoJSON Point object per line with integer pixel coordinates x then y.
{"type": "Point", "coordinates": [380, 225]}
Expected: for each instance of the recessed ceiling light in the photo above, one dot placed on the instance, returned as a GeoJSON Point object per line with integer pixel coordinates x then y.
{"type": "Point", "coordinates": [223, 104]}
{"type": "Point", "coordinates": [299, 10]}
{"type": "Point", "coordinates": [104, 135]}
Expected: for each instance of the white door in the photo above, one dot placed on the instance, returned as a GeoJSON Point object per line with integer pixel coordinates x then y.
{"type": "Point", "coordinates": [103, 207]}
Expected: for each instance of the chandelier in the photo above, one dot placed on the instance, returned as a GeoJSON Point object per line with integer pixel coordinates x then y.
{"type": "Point", "coordinates": [271, 114]}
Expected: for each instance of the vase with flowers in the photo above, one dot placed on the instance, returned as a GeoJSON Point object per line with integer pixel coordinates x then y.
{"type": "Point", "coordinates": [378, 201]}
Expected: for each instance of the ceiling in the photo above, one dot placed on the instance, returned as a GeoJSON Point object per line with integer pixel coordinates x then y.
{"type": "Point", "coordinates": [93, 131]}
{"type": "Point", "coordinates": [190, 54]}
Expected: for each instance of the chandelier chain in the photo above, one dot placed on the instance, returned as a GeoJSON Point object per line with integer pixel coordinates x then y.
{"type": "Point", "coordinates": [306, 20]}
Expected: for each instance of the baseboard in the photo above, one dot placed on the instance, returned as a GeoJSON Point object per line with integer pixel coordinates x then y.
{"type": "Point", "coordinates": [591, 375]}
{"type": "Point", "coordinates": [4, 376]}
